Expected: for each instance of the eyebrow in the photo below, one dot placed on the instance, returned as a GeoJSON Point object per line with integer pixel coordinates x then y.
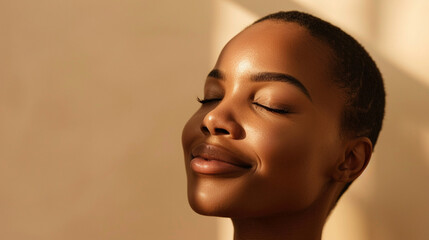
{"type": "Point", "coordinates": [268, 77]}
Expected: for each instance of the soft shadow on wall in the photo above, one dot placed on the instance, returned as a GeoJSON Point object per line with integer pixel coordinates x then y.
{"type": "Point", "coordinates": [390, 197]}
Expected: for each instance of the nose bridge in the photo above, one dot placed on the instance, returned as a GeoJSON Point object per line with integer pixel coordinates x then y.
{"type": "Point", "coordinates": [222, 120]}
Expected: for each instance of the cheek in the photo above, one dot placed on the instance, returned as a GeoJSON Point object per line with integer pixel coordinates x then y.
{"type": "Point", "coordinates": [281, 147]}
{"type": "Point", "coordinates": [290, 164]}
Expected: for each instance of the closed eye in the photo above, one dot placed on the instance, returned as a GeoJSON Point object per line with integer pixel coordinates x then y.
{"type": "Point", "coordinates": [274, 110]}
{"type": "Point", "coordinates": [208, 100]}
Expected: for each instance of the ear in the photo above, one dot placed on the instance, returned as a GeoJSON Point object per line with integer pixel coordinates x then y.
{"type": "Point", "coordinates": [356, 157]}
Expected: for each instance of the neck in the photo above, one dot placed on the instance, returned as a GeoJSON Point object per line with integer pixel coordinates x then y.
{"type": "Point", "coordinates": [303, 225]}
{"type": "Point", "coordinates": [270, 228]}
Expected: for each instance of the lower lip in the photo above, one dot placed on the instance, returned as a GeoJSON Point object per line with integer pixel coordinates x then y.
{"type": "Point", "coordinates": [212, 167]}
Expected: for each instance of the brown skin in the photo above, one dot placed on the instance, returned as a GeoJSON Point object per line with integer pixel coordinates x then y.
{"type": "Point", "coordinates": [297, 161]}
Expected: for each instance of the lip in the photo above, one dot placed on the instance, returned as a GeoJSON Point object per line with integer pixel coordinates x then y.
{"type": "Point", "coordinates": [211, 159]}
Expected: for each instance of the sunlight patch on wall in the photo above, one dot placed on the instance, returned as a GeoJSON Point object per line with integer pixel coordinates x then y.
{"type": "Point", "coordinates": [397, 31]}
{"type": "Point", "coordinates": [346, 222]}
{"type": "Point", "coordinates": [353, 16]}
{"type": "Point", "coordinates": [225, 229]}
{"type": "Point", "coordinates": [404, 38]}
{"type": "Point", "coordinates": [229, 19]}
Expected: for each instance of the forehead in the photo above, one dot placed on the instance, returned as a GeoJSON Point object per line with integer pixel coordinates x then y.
{"type": "Point", "coordinates": [274, 46]}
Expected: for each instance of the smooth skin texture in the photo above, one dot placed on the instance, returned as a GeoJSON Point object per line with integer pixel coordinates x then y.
{"type": "Point", "coordinates": [271, 101]}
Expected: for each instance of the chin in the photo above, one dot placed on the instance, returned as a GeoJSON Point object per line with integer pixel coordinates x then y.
{"type": "Point", "coordinates": [216, 203]}
{"type": "Point", "coordinates": [220, 205]}
{"type": "Point", "coordinates": [207, 204]}
{"type": "Point", "coordinates": [209, 208]}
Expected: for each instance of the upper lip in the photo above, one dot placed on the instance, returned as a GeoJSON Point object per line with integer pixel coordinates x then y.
{"type": "Point", "coordinates": [213, 152]}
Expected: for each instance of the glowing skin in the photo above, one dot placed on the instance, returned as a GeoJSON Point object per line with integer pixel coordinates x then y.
{"type": "Point", "coordinates": [263, 148]}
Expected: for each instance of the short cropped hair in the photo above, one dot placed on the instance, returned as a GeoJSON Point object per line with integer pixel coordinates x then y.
{"type": "Point", "coordinates": [354, 72]}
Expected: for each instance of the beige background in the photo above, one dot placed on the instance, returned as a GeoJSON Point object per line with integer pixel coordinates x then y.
{"type": "Point", "coordinates": [93, 96]}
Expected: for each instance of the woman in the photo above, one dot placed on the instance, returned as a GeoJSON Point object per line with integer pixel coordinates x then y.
{"type": "Point", "coordinates": [289, 118]}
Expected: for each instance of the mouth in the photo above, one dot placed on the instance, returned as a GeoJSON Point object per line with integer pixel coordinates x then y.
{"type": "Point", "coordinates": [214, 160]}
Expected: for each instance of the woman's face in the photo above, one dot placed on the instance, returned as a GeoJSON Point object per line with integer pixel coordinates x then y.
{"type": "Point", "coordinates": [266, 138]}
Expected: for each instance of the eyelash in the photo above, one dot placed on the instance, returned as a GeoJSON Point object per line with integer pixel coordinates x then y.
{"type": "Point", "coordinates": [273, 110]}
{"type": "Point", "coordinates": [205, 100]}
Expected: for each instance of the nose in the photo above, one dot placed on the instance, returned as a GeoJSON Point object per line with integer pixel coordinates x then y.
{"type": "Point", "coordinates": [221, 121]}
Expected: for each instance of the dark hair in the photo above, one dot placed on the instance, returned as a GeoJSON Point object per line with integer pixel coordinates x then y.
{"type": "Point", "coordinates": [355, 72]}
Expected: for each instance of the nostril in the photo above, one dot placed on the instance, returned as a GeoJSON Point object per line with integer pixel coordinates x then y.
{"type": "Point", "coordinates": [221, 131]}
{"type": "Point", "coordinates": [217, 131]}
{"type": "Point", "coordinates": [205, 130]}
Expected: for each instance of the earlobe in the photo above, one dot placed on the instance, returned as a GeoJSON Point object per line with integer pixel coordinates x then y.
{"type": "Point", "coordinates": [354, 161]}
